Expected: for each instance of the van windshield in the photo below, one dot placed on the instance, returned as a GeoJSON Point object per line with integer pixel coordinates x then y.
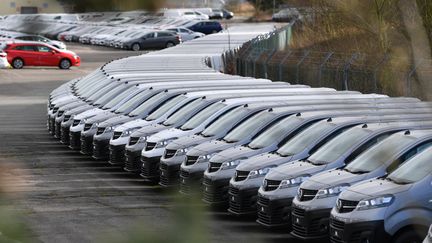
{"type": "Point", "coordinates": [148, 104]}
{"type": "Point", "coordinates": [184, 111]}
{"type": "Point", "coordinates": [247, 127]}
{"type": "Point", "coordinates": [227, 120]}
{"type": "Point", "coordinates": [379, 154]}
{"type": "Point", "coordinates": [140, 97]}
{"type": "Point", "coordinates": [339, 145]}
{"type": "Point", "coordinates": [275, 133]}
{"type": "Point", "coordinates": [202, 116]}
{"type": "Point", "coordinates": [302, 140]}
{"type": "Point", "coordinates": [164, 108]}
{"type": "Point", "coordinates": [119, 98]}
{"type": "Point", "coordinates": [413, 170]}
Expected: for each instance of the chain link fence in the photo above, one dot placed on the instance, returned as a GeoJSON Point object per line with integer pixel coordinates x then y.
{"type": "Point", "coordinates": [268, 56]}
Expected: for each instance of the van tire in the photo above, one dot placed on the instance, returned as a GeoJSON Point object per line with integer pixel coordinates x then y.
{"type": "Point", "coordinates": [17, 63]}
{"type": "Point", "coordinates": [408, 236]}
{"type": "Point", "coordinates": [65, 64]}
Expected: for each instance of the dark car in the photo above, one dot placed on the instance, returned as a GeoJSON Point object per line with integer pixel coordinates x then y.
{"type": "Point", "coordinates": [206, 27]}
{"type": "Point", "coordinates": [152, 40]}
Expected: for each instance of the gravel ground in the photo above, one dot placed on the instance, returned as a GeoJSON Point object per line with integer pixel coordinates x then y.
{"type": "Point", "coordinates": [67, 197]}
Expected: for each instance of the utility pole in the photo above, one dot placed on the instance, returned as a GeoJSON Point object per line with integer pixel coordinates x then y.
{"type": "Point", "coordinates": [274, 6]}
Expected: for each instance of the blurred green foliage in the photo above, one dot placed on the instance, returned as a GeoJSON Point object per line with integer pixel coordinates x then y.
{"type": "Point", "coordinates": [186, 225]}
{"type": "Point", "coordinates": [12, 228]}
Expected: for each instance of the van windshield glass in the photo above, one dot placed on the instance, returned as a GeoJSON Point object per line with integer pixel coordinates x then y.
{"type": "Point", "coordinates": [339, 145]}
{"type": "Point", "coordinates": [199, 118]}
{"type": "Point", "coordinates": [275, 133]}
{"type": "Point", "coordinates": [227, 120]}
{"type": "Point", "coordinates": [379, 154]}
{"type": "Point", "coordinates": [302, 140]}
{"type": "Point", "coordinates": [413, 170]}
{"type": "Point", "coordinates": [182, 112]}
{"type": "Point", "coordinates": [165, 107]}
{"type": "Point", "coordinates": [249, 126]}
{"type": "Point", "coordinates": [119, 98]}
{"type": "Point", "coordinates": [148, 104]}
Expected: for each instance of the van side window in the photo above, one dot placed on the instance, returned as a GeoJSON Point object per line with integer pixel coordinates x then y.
{"type": "Point", "coordinates": [407, 155]}
{"type": "Point", "coordinates": [367, 145]}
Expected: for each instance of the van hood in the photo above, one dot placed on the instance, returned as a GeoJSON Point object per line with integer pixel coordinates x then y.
{"type": "Point", "coordinates": [332, 178]}
{"type": "Point", "coordinates": [210, 147]}
{"type": "Point", "coordinates": [373, 188]}
{"type": "Point", "coordinates": [101, 117]}
{"type": "Point", "coordinates": [188, 141]}
{"type": "Point", "coordinates": [235, 153]}
{"type": "Point", "coordinates": [148, 130]}
{"type": "Point", "coordinates": [114, 121]}
{"type": "Point", "coordinates": [262, 161]}
{"type": "Point", "coordinates": [134, 123]}
{"type": "Point", "coordinates": [172, 133]}
{"type": "Point", "coordinates": [294, 169]}
{"type": "Point", "coordinates": [89, 113]}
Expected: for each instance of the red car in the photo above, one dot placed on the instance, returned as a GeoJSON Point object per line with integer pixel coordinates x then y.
{"type": "Point", "coordinates": [20, 54]}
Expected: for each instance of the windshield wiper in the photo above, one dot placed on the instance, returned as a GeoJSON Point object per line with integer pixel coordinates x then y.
{"type": "Point", "coordinates": [399, 182]}
{"type": "Point", "coordinates": [357, 171]}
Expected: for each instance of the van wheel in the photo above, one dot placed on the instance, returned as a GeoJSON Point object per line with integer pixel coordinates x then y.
{"type": "Point", "coordinates": [65, 64]}
{"type": "Point", "coordinates": [408, 236]}
{"type": "Point", "coordinates": [136, 47]}
{"type": "Point", "coordinates": [17, 63]}
{"type": "Point", "coordinates": [169, 44]}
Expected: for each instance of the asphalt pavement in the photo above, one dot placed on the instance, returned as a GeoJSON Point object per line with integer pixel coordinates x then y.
{"type": "Point", "coordinates": [67, 197]}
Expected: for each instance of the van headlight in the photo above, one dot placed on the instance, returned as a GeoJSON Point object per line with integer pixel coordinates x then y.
{"type": "Point", "coordinates": [205, 158]}
{"type": "Point", "coordinates": [331, 191]}
{"type": "Point", "coordinates": [293, 182]}
{"type": "Point", "coordinates": [182, 151]}
{"type": "Point", "coordinates": [128, 132]}
{"type": "Point", "coordinates": [259, 172]}
{"type": "Point", "coordinates": [109, 129]}
{"type": "Point", "coordinates": [142, 139]}
{"type": "Point", "coordinates": [377, 202]}
{"type": "Point", "coordinates": [94, 125]}
{"type": "Point", "coordinates": [164, 143]}
{"type": "Point", "coordinates": [229, 165]}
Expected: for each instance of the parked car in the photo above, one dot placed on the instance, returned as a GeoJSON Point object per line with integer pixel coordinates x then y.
{"type": "Point", "coordinates": [22, 54]}
{"type": "Point", "coordinates": [205, 27]}
{"type": "Point", "coordinates": [186, 34]}
{"type": "Point", "coordinates": [152, 40]}
{"type": "Point", "coordinates": [395, 208]}
{"type": "Point", "coordinates": [38, 38]}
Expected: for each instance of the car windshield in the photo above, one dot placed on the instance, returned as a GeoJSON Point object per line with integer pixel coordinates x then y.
{"type": "Point", "coordinates": [165, 107]}
{"type": "Point", "coordinates": [248, 126]}
{"type": "Point", "coordinates": [302, 140]}
{"type": "Point", "coordinates": [224, 121]}
{"type": "Point", "coordinates": [340, 144]}
{"type": "Point", "coordinates": [119, 98]}
{"type": "Point", "coordinates": [275, 133]}
{"type": "Point", "coordinates": [184, 111]}
{"type": "Point", "coordinates": [379, 154]}
{"type": "Point", "coordinates": [414, 169]}
{"type": "Point", "coordinates": [159, 98]}
{"type": "Point", "coordinates": [202, 116]}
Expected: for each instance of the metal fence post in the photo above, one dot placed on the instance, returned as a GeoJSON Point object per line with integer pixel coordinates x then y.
{"type": "Point", "coordinates": [267, 61]}
{"type": "Point", "coordinates": [255, 60]}
{"type": "Point", "coordinates": [408, 79]}
{"type": "Point", "coordinates": [346, 68]}
{"type": "Point", "coordinates": [298, 65]}
{"type": "Point", "coordinates": [326, 58]}
{"type": "Point", "coordinates": [378, 66]}
{"type": "Point", "coordinates": [282, 63]}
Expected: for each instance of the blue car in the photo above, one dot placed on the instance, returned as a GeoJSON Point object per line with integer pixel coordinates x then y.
{"type": "Point", "coordinates": [205, 27]}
